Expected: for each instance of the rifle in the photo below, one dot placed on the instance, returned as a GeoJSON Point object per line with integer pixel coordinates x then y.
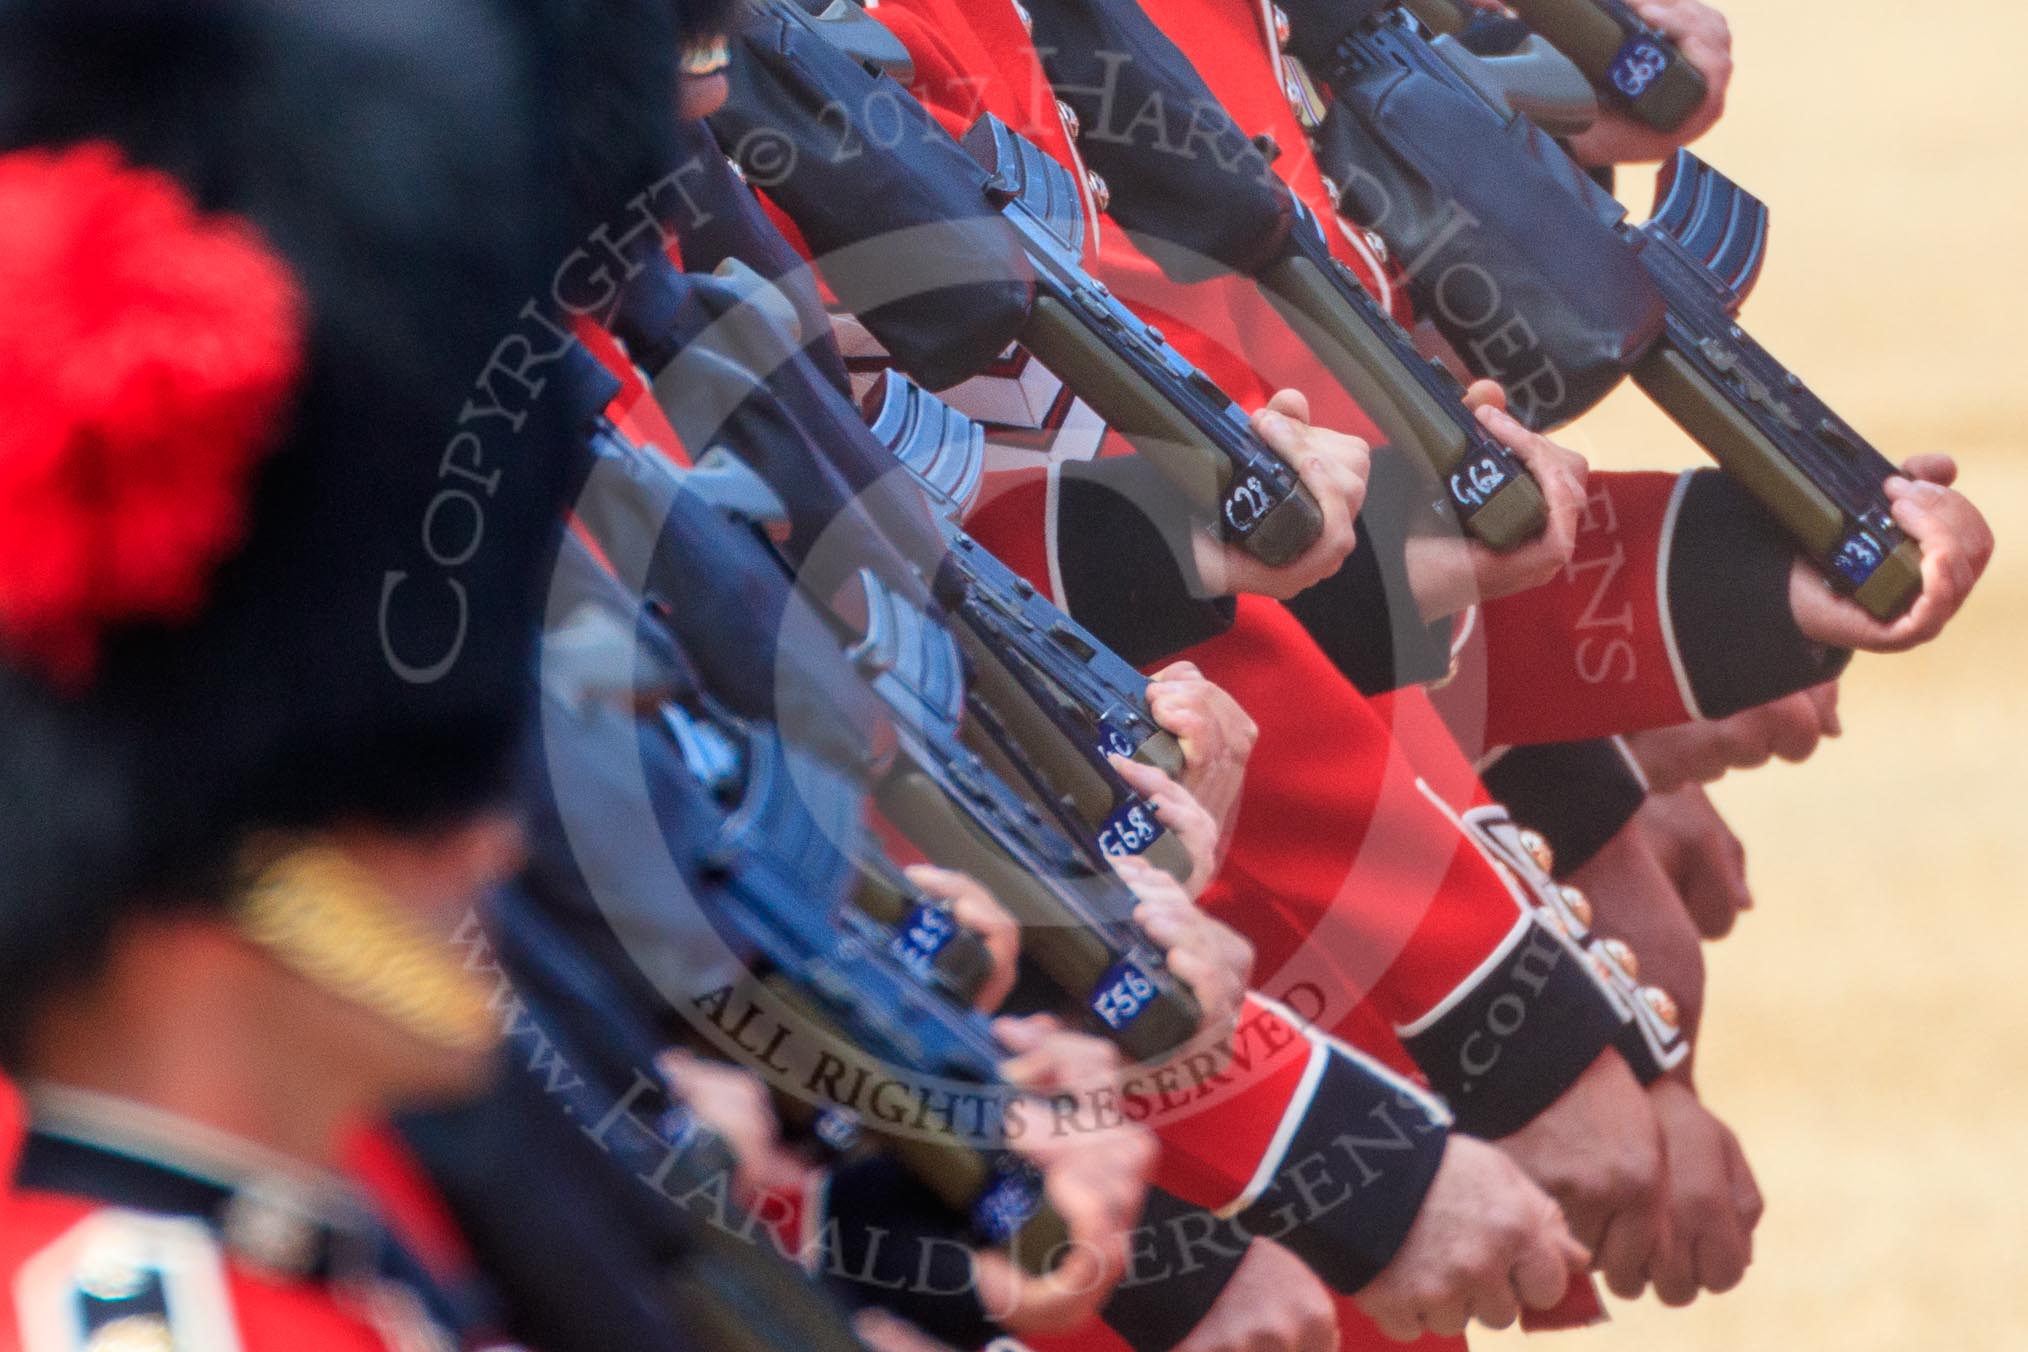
{"type": "Point", "coordinates": [1683, 275]}
{"type": "Point", "coordinates": [1222, 205]}
{"type": "Point", "coordinates": [1089, 693]}
{"type": "Point", "coordinates": [1623, 55]}
{"type": "Point", "coordinates": [1703, 247]}
{"type": "Point", "coordinates": [1076, 916]}
{"type": "Point", "coordinates": [1062, 697]}
{"type": "Point", "coordinates": [644, 667]}
{"type": "Point", "coordinates": [1417, 402]}
{"type": "Point", "coordinates": [757, 914]}
{"type": "Point", "coordinates": [1065, 669]}
{"type": "Point", "coordinates": [864, 133]}
{"type": "Point", "coordinates": [1627, 59]}
{"type": "Point", "coordinates": [1127, 371]}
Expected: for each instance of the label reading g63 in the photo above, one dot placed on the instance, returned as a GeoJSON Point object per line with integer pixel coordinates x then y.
{"type": "Point", "coordinates": [1638, 65]}
{"type": "Point", "coordinates": [1122, 993]}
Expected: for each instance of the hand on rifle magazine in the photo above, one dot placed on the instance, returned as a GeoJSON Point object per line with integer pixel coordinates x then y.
{"type": "Point", "coordinates": [1179, 811]}
{"type": "Point", "coordinates": [1702, 753]}
{"type": "Point", "coordinates": [1486, 1242]}
{"type": "Point", "coordinates": [1705, 39]}
{"type": "Point", "coordinates": [1095, 1174]}
{"type": "Point", "coordinates": [1451, 571]}
{"type": "Point", "coordinates": [1333, 467]}
{"type": "Point", "coordinates": [1957, 544]}
{"type": "Point", "coordinates": [1205, 954]}
{"type": "Point", "coordinates": [735, 1104]}
{"type": "Point", "coordinates": [1217, 736]}
{"type": "Point", "coordinates": [973, 907]}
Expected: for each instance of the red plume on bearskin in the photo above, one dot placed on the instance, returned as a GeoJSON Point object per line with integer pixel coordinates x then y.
{"type": "Point", "coordinates": [147, 356]}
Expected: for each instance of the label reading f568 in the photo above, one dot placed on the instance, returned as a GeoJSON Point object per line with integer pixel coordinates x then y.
{"type": "Point", "coordinates": [1122, 993]}
{"type": "Point", "coordinates": [1640, 63]}
{"type": "Point", "coordinates": [1131, 830]}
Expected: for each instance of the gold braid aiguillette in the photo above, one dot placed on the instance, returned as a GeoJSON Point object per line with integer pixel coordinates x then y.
{"type": "Point", "coordinates": [319, 914]}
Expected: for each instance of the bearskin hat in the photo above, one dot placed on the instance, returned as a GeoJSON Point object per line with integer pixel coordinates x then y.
{"type": "Point", "coordinates": [273, 511]}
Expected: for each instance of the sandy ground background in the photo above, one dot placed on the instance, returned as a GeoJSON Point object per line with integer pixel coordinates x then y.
{"type": "Point", "coordinates": [1868, 1031]}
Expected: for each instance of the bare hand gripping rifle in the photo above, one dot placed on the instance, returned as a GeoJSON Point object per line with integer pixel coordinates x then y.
{"type": "Point", "coordinates": [1658, 301]}
{"type": "Point", "coordinates": [867, 161]}
{"type": "Point", "coordinates": [1417, 402]}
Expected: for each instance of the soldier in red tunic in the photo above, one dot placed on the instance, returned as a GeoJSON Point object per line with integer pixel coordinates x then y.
{"type": "Point", "coordinates": [264, 634]}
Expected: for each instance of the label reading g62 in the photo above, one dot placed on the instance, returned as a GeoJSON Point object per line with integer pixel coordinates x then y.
{"type": "Point", "coordinates": [1640, 63]}
{"type": "Point", "coordinates": [1122, 993]}
{"type": "Point", "coordinates": [1475, 483]}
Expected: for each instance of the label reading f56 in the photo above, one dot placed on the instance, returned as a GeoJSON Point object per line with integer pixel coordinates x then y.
{"type": "Point", "coordinates": [1122, 993]}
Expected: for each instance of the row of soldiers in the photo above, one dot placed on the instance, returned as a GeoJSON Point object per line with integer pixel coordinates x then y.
{"type": "Point", "coordinates": [559, 797]}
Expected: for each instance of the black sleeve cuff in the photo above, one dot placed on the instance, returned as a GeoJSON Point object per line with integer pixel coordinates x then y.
{"type": "Point", "coordinates": [1728, 594]}
{"type": "Point", "coordinates": [1648, 1061]}
{"type": "Point", "coordinates": [1182, 1259]}
{"type": "Point", "coordinates": [1129, 576]}
{"type": "Point", "coordinates": [1577, 794]}
{"type": "Point", "coordinates": [1354, 1176]}
{"type": "Point", "coordinates": [892, 1243]}
{"type": "Point", "coordinates": [1509, 1046]}
{"type": "Point", "coordinates": [1364, 616]}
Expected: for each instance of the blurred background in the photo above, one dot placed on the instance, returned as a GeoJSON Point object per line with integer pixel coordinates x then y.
{"type": "Point", "coordinates": [1868, 1024]}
